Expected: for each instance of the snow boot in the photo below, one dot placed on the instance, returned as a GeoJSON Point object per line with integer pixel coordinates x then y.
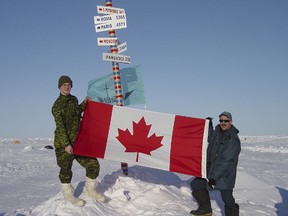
{"type": "Point", "coordinates": [232, 211]}
{"type": "Point", "coordinates": [89, 190]}
{"type": "Point", "coordinates": [203, 199]}
{"type": "Point", "coordinates": [68, 193]}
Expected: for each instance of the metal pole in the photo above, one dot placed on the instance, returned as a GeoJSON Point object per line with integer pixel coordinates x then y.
{"type": "Point", "coordinates": [117, 80]}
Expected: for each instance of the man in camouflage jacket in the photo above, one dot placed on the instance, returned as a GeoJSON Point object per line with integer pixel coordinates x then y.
{"type": "Point", "coordinates": [67, 114]}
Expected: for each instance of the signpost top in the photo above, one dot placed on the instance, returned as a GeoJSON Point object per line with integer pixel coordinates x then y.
{"type": "Point", "coordinates": [109, 10]}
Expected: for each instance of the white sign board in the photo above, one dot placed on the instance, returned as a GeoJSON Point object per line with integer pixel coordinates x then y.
{"type": "Point", "coordinates": [109, 18]}
{"type": "Point", "coordinates": [122, 47]}
{"type": "Point", "coordinates": [107, 41]}
{"type": "Point", "coordinates": [109, 10]}
{"type": "Point", "coordinates": [116, 58]}
{"type": "Point", "coordinates": [111, 25]}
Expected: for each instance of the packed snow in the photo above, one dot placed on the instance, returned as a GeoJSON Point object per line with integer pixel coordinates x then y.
{"type": "Point", "coordinates": [29, 183]}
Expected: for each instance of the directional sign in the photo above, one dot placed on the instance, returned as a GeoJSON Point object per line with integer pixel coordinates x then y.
{"type": "Point", "coordinates": [122, 47]}
{"type": "Point", "coordinates": [108, 41]}
{"type": "Point", "coordinates": [111, 25]}
{"type": "Point", "coordinates": [109, 10]}
{"type": "Point", "coordinates": [116, 58]}
{"type": "Point", "coordinates": [109, 18]}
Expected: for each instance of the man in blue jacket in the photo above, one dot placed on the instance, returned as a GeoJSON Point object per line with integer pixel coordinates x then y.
{"type": "Point", "coordinates": [222, 159]}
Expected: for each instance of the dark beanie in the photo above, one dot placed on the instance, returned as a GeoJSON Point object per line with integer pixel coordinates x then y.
{"type": "Point", "coordinates": [64, 79]}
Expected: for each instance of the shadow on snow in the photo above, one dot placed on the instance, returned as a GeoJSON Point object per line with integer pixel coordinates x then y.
{"type": "Point", "coordinates": [282, 208]}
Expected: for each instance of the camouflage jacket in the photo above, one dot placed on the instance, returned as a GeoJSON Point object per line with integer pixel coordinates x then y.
{"type": "Point", "coordinates": [67, 115]}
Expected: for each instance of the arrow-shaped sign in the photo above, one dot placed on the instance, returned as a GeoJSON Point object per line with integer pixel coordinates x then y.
{"type": "Point", "coordinates": [109, 18]}
{"type": "Point", "coordinates": [122, 47]}
{"type": "Point", "coordinates": [110, 25]}
{"type": "Point", "coordinates": [107, 41]}
{"type": "Point", "coordinates": [116, 58]}
{"type": "Point", "coordinates": [109, 10]}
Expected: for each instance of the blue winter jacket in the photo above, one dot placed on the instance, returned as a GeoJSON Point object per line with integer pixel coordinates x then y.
{"type": "Point", "coordinates": [222, 156]}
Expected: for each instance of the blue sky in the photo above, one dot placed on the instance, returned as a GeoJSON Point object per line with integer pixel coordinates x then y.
{"type": "Point", "coordinates": [199, 58]}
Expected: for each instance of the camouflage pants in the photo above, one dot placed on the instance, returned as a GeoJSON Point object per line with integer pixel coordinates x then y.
{"type": "Point", "coordinates": [65, 162]}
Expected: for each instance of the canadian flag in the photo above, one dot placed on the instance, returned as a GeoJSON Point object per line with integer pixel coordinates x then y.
{"type": "Point", "coordinates": [163, 141]}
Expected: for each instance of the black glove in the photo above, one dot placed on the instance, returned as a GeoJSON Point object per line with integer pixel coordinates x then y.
{"type": "Point", "coordinates": [210, 121]}
{"type": "Point", "coordinates": [212, 182]}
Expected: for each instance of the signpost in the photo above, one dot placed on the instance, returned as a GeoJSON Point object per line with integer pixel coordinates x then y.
{"type": "Point", "coordinates": [109, 18]}
{"type": "Point", "coordinates": [116, 58]}
{"type": "Point", "coordinates": [114, 18]}
{"type": "Point", "coordinates": [110, 26]}
{"type": "Point", "coordinates": [122, 47]}
{"type": "Point", "coordinates": [107, 41]}
{"type": "Point", "coordinates": [109, 9]}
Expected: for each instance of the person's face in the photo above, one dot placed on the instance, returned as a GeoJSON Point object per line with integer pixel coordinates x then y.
{"type": "Point", "coordinates": [65, 89]}
{"type": "Point", "coordinates": [225, 123]}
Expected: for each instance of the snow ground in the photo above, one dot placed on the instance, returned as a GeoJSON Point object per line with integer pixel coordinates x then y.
{"type": "Point", "coordinates": [29, 183]}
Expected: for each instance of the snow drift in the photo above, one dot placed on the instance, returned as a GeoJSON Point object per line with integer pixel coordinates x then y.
{"type": "Point", "coordinates": [30, 186]}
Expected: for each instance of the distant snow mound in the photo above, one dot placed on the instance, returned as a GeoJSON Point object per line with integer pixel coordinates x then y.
{"type": "Point", "coordinates": [28, 148]}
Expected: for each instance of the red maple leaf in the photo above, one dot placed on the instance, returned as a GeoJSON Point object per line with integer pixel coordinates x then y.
{"type": "Point", "coordinates": [139, 141]}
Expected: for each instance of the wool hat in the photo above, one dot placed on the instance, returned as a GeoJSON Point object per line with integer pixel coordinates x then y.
{"type": "Point", "coordinates": [227, 114]}
{"type": "Point", "coordinates": [64, 79]}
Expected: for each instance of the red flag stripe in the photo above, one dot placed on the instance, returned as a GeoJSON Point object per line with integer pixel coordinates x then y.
{"type": "Point", "coordinates": [186, 145]}
{"type": "Point", "coordinates": [97, 118]}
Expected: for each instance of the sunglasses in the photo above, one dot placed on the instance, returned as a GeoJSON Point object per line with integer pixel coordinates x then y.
{"type": "Point", "coordinates": [226, 121]}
